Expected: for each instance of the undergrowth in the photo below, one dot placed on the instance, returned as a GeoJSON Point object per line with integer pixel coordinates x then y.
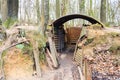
{"type": "Point", "coordinates": [9, 22]}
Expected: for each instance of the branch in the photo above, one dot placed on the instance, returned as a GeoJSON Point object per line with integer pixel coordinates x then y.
{"type": "Point", "coordinates": [1, 50]}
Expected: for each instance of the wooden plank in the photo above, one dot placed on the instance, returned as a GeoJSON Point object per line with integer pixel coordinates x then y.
{"type": "Point", "coordinates": [81, 75]}
{"type": "Point", "coordinates": [53, 50]}
{"type": "Point", "coordinates": [73, 34]}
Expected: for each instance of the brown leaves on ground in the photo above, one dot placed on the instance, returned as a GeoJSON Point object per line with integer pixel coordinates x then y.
{"type": "Point", "coordinates": [103, 54]}
{"type": "Point", "coordinates": [106, 65]}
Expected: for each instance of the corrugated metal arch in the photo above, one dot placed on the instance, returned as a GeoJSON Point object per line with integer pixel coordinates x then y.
{"type": "Point", "coordinates": [66, 18]}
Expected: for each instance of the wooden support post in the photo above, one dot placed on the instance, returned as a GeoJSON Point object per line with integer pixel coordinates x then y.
{"type": "Point", "coordinates": [36, 56]}
{"type": "Point", "coordinates": [81, 74]}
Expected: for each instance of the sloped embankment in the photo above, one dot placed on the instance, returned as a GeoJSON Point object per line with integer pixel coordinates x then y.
{"type": "Point", "coordinates": [102, 50]}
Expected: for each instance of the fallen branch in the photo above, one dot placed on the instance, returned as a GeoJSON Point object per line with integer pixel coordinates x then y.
{"type": "Point", "coordinates": [5, 48]}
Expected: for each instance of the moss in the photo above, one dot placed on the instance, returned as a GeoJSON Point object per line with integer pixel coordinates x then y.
{"type": "Point", "coordinates": [99, 40]}
{"type": "Point", "coordinates": [42, 57]}
{"type": "Point", "coordinates": [115, 48]}
{"type": "Point", "coordinates": [90, 40]}
{"type": "Point", "coordinates": [36, 36]}
{"type": "Point", "coordinates": [4, 53]}
{"type": "Point", "coordinates": [113, 34]}
{"type": "Point", "coordinates": [0, 43]}
{"type": "Point", "coordinates": [96, 26]}
{"type": "Point", "coordinates": [27, 49]}
{"type": "Point", "coordinates": [9, 22]}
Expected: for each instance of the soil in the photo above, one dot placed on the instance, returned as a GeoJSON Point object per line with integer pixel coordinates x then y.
{"type": "Point", "coordinates": [19, 66]}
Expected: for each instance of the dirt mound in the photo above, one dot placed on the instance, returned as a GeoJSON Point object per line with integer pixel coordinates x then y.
{"type": "Point", "coordinates": [102, 50]}
{"type": "Point", "coordinates": [18, 66]}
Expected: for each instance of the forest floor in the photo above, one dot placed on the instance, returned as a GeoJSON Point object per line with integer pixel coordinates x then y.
{"type": "Point", "coordinates": [20, 67]}
{"type": "Point", "coordinates": [104, 66]}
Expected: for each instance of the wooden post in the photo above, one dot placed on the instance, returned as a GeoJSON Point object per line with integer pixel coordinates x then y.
{"type": "Point", "coordinates": [36, 56]}
{"type": "Point", "coordinates": [81, 74]}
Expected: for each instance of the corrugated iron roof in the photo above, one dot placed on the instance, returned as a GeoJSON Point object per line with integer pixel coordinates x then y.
{"type": "Point", "coordinates": [66, 18]}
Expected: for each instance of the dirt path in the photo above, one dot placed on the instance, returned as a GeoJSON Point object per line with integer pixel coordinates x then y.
{"type": "Point", "coordinates": [64, 72]}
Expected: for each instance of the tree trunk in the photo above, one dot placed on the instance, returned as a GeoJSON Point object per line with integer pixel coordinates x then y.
{"type": "Point", "coordinates": [9, 8]}
{"type": "Point", "coordinates": [0, 9]}
{"type": "Point", "coordinates": [42, 17]}
{"type": "Point", "coordinates": [81, 6]}
{"type": "Point", "coordinates": [38, 11]}
{"type": "Point", "coordinates": [13, 8]}
{"type": "Point", "coordinates": [46, 14]}
{"type": "Point", "coordinates": [57, 8]}
{"type": "Point", "coordinates": [4, 10]}
{"type": "Point", "coordinates": [103, 11]}
{"type": "Point", "coordinates": [63, 7]}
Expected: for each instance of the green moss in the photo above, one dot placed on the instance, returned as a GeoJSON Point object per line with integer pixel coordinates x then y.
{"type": "Point", "coordinates": [27, 49]}
{"type": "Point", "coordinates": [9, 22]}
{"type": "Point", "coordinates": [36, 36]}
{"type": "Point", "coordinates": [0, 43]}
{"type": "Point", "coordinates": [96, 26]}
{"type": "Point", "coordinates": [90, 40]}
{"type": "Point", "coordinates": [42, 57]}
{"type": "Point", "coordinates": [113, 34]}
{"type": "Point", "coordinates": [4, 53]}
{"type": "Point", "coordinates": [99, 40]}
{"type": "Point", "coordinates": [115, 48]}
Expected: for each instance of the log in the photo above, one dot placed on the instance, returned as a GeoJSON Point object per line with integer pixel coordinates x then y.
{"type": "Point", "coordinates": [3, 48]}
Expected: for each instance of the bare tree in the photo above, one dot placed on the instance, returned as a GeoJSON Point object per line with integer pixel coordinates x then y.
{"type": "Point", "coordinates": [103, 11]}
{"type": "Point", "coordinates": [46, 14]}
{"type": "Point", "coordinates": [13, 8]}
{"type": "Point", "coordinates": [4, 10]}
{"type": "Point", "coordinates": [57, 8]}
